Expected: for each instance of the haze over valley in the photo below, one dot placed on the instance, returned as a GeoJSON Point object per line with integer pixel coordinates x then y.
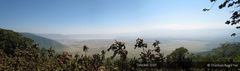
{"type": "Point", "coordinates": [97, 42]}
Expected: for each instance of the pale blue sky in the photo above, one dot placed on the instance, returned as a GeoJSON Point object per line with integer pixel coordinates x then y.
{"type": "Point", "coordinates": [109, 16]}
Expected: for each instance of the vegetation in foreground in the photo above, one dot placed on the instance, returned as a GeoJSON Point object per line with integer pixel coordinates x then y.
{"type": "Point", "coordinates": [18, 53]}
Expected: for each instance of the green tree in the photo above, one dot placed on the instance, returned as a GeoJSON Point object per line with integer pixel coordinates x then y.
{"type": "Point", "coordinates": [140, 44]}
{"type": "Point", "coordinates": [179, 58]}
{"type": "Point", "coordinates": [118, 48]}
{"type": "Point", "coordinates": [158, 58]}
{"type": "Point", "coordinates": [85, 49]}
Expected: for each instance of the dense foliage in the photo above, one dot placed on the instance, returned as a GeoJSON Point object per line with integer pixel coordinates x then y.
{"type": "Point", "coordinates": [18, 53]}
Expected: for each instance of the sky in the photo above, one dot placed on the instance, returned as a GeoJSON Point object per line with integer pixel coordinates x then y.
{"type": "Point", "coordinates": [111, 16]}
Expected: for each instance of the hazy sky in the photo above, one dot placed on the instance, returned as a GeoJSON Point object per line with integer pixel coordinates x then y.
{"type": "Point", "coordinates": [109, 16]}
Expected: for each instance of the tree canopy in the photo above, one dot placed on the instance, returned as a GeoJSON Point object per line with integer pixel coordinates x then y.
{"type": "Point", "coordinates": [11, 40]}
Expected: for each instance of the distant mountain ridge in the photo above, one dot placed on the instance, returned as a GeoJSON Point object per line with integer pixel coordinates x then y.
{"type": "Point", "coordinates": [43, 42]}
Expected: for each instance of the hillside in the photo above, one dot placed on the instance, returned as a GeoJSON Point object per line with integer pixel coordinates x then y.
{"type": "Point", "coordinates": [43, 42]}
{"type": "Point", "coordinates": [226, 50]}
{"type": "Point", "coordinates": [10, 40]}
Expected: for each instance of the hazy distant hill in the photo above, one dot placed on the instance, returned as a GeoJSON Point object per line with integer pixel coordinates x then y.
{"type": "Point", "coordinates": [226, 50]}
{"type": "Point", "coordinates": [43, 42]}
{"type": "Point", "coordinates": [224, 46]}
{"type": "Point", "coordinates": [77, 36]}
